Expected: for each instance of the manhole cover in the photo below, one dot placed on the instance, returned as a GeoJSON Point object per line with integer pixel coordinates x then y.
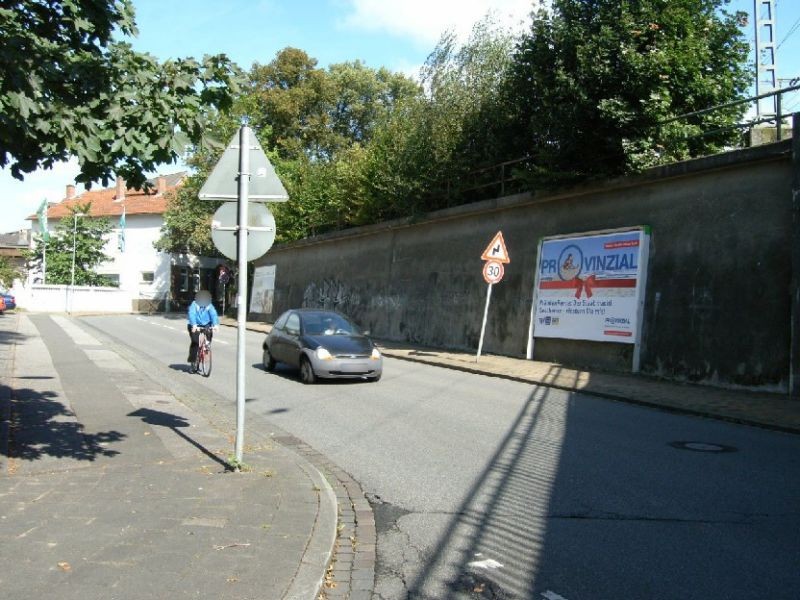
{"type": "Point", "coordinates": [702, 447]}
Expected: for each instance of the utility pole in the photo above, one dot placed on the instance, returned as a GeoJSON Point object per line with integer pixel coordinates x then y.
{"type": "Point", "coordinates": [764, 21]}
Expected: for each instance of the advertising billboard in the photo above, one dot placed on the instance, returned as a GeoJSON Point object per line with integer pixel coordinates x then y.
{"type": "Point", "coordinates": [591, 286]}
{"type": "Point", "coordinates": [263, 292]}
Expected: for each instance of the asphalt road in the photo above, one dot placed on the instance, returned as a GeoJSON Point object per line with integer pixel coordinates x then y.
{"type": "Point", "coordinates": [486, 488]}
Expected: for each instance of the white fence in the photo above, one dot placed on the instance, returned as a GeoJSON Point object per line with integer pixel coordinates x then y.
{"type": "Point", "coordinates": [80, 299]}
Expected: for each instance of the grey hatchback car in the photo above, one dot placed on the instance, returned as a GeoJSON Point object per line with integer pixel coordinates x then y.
{"type": "Point", "coordinates": [323, 344]}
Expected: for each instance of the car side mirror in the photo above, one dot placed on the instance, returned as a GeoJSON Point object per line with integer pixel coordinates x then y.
{"type": "Point", "coordinates": [292, 331]}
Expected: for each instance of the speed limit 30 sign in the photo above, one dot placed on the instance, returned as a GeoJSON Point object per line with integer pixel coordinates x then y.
{"type": "Point", "coordinates": [493, 272]}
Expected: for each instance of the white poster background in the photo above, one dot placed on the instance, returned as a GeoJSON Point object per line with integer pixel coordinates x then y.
{"type": "Point", "coordinates": [263, 290]}
{"type": "Point", "coordinates": [589, 287]}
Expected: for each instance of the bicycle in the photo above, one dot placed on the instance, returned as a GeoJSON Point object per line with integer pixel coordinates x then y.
{"type": "Point", "coordinates": [202, 363]}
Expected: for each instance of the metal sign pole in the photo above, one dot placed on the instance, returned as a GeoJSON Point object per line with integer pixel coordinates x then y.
{"type": "Point", "coordinates": [485, 317]}
{"type": "Point", "coordinates": [241, 292]}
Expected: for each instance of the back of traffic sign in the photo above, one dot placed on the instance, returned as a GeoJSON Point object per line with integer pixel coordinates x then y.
{"type": "Point", "coordinates": [260, 235]}
{"type": "Point", "coordinates": [223, 182]}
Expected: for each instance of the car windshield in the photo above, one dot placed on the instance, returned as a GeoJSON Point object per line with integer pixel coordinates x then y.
{"type": "Point", "coordinates": [328, 324]}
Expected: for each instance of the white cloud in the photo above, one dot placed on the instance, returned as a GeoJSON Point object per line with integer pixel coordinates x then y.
{"type": "Point", "coordinates": [22, 198]}
{"type": "Point", "coordinates": [425, 20]}
{"type": "Point", "coordinates": [408, 68]}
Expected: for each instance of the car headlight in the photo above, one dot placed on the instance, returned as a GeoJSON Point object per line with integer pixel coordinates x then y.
{"type": "Point", "coordinates": [375, 354]}
{"type": "Point", "coordinates": [323, 354]}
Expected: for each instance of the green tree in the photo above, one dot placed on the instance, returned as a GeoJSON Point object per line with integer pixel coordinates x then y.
{"type": "Point", "coordinates": [421, 150]}
{"type": "Point", "coordinates": [68, 88]}
{"type": "Point", "coordinates": [187, 221]}
{"type": "Point", "coordinates": [313, 123]}
{"type": "Point", "coordinates": [591, 81]}
{"type": "Point", "coordinates": [8, 273]}
{"type": "Point", "coordinates": [90, 238]}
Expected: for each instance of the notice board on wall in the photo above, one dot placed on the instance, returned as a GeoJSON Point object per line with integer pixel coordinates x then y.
{"type": "Point", "coordinates": [591, 286]}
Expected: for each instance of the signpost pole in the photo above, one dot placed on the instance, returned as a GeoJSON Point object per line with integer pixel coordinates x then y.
{"type": "Point", "coordinates": [243, 173]}
{"type": "Point", "coordinates": [485, 317]}
{"type": "Point", "coordinates": [241, 288]}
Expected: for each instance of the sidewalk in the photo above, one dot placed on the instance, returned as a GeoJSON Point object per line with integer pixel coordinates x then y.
{"type": "Point", "coordinates": [111, 488]}
{"type": "Point", "coordinates": [772, 411]}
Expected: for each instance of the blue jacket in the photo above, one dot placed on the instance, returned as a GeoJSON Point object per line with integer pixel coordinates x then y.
{"type": "Point", "coordinates": [199, 316]}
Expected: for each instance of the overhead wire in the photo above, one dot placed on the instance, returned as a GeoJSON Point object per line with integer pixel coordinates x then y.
{"type": "Point", "coordinates": [792, 30]}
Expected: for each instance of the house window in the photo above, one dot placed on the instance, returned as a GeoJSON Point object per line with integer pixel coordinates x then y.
{"type": "Point", "coordinates": [148, 276]}
{"type": "Point", "coordinates": [112, 279]}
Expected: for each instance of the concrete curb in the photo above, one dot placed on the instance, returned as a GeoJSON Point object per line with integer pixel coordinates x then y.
{"type": "Point", "coordinates": [310, 576]}
{"type": "Point", "coordinates": [597, 394]}
{"type": "Point", "coordinates": [351, 572]}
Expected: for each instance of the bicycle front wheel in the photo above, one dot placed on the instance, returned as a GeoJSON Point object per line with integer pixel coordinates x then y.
{"type": "Point", "coordinates": [205, 363]}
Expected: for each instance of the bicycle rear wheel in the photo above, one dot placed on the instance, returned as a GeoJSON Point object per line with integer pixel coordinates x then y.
{"type": "Point", "coordinates": [205, 362]}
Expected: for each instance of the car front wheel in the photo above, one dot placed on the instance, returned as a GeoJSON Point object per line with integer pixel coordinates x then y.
{"type": "Point", "coordinates": [307, 374]}
{"type": "Point", "coordinates": [269, 362]}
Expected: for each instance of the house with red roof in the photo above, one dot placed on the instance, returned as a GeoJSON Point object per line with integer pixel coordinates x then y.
{"type": "Point", "coordinates": [152, 280]}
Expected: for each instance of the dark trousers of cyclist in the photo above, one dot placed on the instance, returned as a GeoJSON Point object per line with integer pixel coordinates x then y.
{"type": "Point", "coordinates": [195, 336]}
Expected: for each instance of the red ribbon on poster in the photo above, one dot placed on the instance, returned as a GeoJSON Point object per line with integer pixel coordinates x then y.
{"type": "Point", "coordinates": [586, 286]}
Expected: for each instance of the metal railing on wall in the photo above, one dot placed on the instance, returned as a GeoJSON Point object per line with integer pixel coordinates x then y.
{"type": "Point", "coordinates": [777, 119]}
{"type": "Point", "coordinates": [504, 178]}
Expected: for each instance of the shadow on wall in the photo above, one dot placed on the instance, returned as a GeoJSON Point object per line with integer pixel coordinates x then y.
{"type": "Point", "coordinates": [37, 425]}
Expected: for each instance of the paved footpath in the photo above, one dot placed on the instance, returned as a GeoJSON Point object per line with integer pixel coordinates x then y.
{"type": "Point", "coordinates": [771, 411]}
{"type": "Point", "coordinates": [111, 488]}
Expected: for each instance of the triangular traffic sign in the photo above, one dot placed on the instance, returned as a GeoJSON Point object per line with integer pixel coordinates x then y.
{"type": "Point", "coordinates": [497, 250]}
{"type": "Point", "coordinates": [223, 183]}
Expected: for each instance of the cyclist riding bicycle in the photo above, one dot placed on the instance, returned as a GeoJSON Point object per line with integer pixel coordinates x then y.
{"type": "Point", "coordinates": [202, 314]}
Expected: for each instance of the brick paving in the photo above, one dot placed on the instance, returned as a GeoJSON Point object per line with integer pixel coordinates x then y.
{"type": "Point", "coordinates": [351, 572]}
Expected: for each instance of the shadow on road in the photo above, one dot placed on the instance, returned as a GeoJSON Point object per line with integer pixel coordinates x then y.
{"type": "Point", "coordinates": [181, 367]}
{"type": "Point", "coordinates": [175, 423]}
{"type": "Point", "coordinates": [500, 518]}
{"type": "Point", "coordinates": [38, 424]}
{"type": "Point", "coordinates": [292, 374]}
{"type": "Point", "coordinates": [11, 337]}
{"type": "Point", "coordinates": [583, 501]}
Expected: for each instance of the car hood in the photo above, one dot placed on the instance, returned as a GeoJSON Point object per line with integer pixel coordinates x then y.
{"type": "Point", "coordinates": [341, 344]}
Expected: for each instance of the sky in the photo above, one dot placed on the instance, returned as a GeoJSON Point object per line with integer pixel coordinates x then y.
{"type": "Point", "coordinates": [395, 34]}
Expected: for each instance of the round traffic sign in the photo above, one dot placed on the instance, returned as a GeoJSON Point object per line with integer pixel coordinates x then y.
{"type": "Point", "coordinates": [493, 271]}
{"type": "Point", "coordinates": [223, 274]}
{"type": "Point", "coordinates": [223, 229]}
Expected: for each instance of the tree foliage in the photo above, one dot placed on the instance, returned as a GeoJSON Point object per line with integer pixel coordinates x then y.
{"type": "Point", "coordinates": [90, 237]}
{"type": "Point", "coordinates": [313, 123]}
{"type": "Point", "coordinates": [8, 273]}
{"type": "Point", "coordinates": [592, 80]}
{"type": "Point", "coordinates": [68, 87]}
{"type": "Point", "coordinates": [187, 221]}
{"type": "Point", "coordinates": [583, 92]}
